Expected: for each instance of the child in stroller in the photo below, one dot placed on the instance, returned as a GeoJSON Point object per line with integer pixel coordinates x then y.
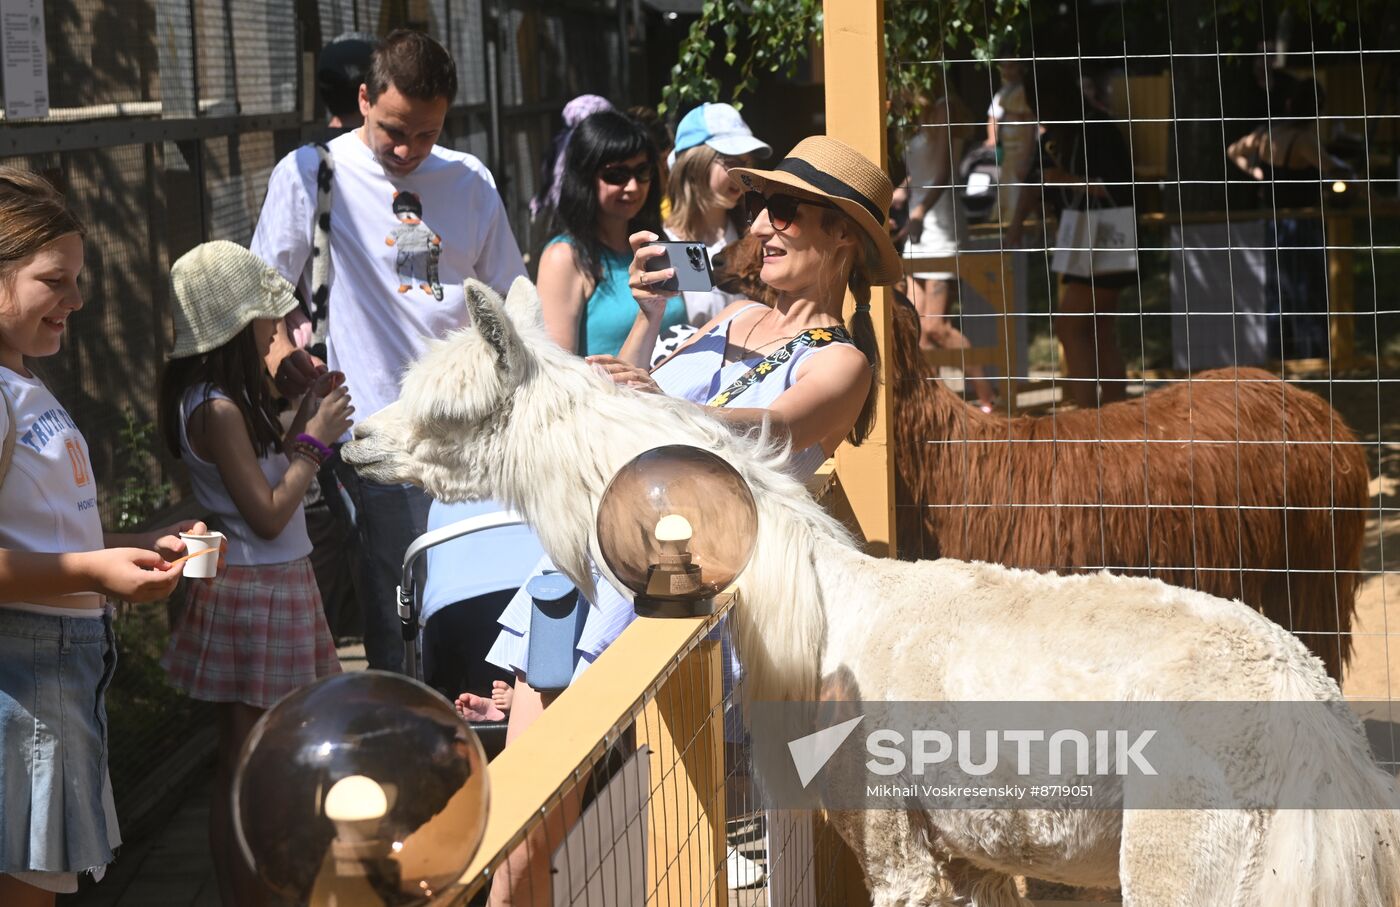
{"type": "Point", "coordinates": [467, 584]}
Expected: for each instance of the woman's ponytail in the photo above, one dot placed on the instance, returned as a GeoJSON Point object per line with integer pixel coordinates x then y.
{"type": "Point", "coordinates": [862, 328]}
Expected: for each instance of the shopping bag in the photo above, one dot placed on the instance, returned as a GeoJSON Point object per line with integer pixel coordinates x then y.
{"type": "Point", "coordinates": [1097, 241]}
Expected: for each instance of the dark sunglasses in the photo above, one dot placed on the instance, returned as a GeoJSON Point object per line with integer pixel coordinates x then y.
{"type": "Point", "coordinates": [619, 175]}
{"type": "Point", "coordinates": [782, 209]}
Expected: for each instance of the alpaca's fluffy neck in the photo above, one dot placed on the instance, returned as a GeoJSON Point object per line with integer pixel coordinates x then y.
{"type": "Point", "coordinates": [569, 434]}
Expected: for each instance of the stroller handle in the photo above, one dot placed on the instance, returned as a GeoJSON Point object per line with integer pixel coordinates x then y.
{"type": "Point", "coordinates": [407, 595]}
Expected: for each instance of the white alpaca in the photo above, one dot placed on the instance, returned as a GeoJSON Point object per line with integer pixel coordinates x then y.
{"type": "Point", "coordinates": [499, 411]}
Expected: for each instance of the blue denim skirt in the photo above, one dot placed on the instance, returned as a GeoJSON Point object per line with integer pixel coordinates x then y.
{"type": "Point", "coordinates": [56, 810]}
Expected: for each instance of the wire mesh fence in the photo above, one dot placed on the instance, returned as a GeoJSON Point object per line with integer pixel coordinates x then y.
{"type": "Point", "coordinates": [667, 808]}
{"type": "Point", "coordinates": [1150, 255]}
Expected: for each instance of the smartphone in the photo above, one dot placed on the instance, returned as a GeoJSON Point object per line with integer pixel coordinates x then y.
{"type": "Point", "coordinates": [692, 263]}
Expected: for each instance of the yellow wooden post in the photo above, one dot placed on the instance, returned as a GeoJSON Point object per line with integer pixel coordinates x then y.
{"type": "Point", "coordinates": [1341, 290]}
{"type": "Point", "coordinates": [684, 729]}
{"type": "Point", "coordinates": [854, 60]}
{"type": "Point", "coordinates": [854, 54]}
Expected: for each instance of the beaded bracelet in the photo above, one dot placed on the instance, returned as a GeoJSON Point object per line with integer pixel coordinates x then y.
{"type": "Point", "coordinates": [306, 452]}
{"type": "Point", "coordinates": [316, 444]}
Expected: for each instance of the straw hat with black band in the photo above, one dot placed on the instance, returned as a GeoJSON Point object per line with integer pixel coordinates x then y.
{"type": "Point", "coordinates": [821, 167]}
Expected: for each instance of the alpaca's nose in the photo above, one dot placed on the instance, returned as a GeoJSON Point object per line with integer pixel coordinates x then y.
{"type": "Point", "coordinates": [361, 451]}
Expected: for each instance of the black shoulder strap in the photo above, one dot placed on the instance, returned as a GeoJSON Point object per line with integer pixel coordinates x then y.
{"type": "Point", "coordinates": [814, 337]}
{"type": "Point", "coordinates": [318, 304]}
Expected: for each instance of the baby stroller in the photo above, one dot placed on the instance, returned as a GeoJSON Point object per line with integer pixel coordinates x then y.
{"type": "Point", "coordinates": [978, 174]}
{"type": "Point", "coordinates": [457, 579]}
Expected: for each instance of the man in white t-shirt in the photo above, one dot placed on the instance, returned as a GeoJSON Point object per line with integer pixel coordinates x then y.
{"type": "Point", "coordinates": [409, 221]}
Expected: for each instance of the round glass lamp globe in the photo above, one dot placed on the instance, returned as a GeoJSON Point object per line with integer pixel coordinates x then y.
{"type": "Point", "coordinates": [362, 788]}
{"type": "Point", "coordinates": [676, 525]}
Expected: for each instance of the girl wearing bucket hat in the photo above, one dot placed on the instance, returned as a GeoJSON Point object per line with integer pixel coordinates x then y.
{"type": "Point", "coordinates": [256, 632]}
{"type": "Point", "coordinates": [705, 203]}
{"type": "Point", "coordinates": [820, 218]}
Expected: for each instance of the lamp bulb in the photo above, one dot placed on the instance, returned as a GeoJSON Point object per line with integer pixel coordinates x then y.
{"type": "Point", "coordinates": [673, 528]}
{"type": "Point", "coordinates": [355, 798]}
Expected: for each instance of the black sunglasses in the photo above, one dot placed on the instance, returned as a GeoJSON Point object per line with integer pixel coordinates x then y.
{"type": "Point", "coordinates": [782, 209]}
{"type": "Point", "coordinates": [619, 175]}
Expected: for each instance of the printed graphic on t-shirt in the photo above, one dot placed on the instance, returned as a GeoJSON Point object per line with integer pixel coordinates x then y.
{"type": "Point", "coordinates": [50, 425]}
{"type": "Point", "coordinates": [79, 462]}
{"type": "Point", "coordinates": [418, 247]}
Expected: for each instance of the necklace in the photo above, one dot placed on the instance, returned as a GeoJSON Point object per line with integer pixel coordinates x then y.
{"type": "Point", "coordinates": [746, 349]}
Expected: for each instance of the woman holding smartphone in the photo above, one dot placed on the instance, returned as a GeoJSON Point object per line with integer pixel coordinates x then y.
{"type": "Point", "coordinates": [606, 193]}
{"type": "Point", "coordinates": [797, 366]}
{"type": "Point", "coordinates": [820, 217]}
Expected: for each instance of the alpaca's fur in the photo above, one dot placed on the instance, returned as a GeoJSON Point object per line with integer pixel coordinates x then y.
{"type": "Point", "coordinates": [1080, 490]}
{"type": "Point", "coordinates": [1258, 493]}
{"type": "Point", "coordinates": [498, 411]}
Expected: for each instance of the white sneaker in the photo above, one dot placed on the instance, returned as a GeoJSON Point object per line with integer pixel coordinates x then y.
{"type": "Point", "coordinates": [743, 872]}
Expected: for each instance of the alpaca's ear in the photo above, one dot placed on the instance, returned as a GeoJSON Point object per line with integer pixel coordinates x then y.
{"type": "Point", "coordinates": [490, 320]}
{"type": "Point", "coordinates": [523, 304]}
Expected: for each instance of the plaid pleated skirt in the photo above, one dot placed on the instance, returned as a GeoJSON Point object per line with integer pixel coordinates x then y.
{"type": "Point", "coordinates": [252, 635]}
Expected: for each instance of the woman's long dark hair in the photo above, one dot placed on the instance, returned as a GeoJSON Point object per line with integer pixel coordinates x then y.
{"type": "Point", "coordinates": [606, 137]}
{"type": "Point", "coordinates": [237, 370]}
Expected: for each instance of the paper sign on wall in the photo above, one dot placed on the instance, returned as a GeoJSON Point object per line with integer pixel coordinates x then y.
{"type": "Point", "coordinates": [26, 62]}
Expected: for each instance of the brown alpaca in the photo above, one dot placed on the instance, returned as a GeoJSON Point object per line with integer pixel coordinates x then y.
{"type": "Point", "coordinates": [1246, 487]}
{"type": "Point", "coordinates": [1202, 505]}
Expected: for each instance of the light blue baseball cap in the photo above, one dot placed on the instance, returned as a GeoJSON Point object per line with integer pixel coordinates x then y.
{"type": "Point", "coordinates": [720, 127]}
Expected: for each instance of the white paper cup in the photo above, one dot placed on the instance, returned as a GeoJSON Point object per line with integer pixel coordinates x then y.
{"type": "Point", "coordinates": [205, 566]}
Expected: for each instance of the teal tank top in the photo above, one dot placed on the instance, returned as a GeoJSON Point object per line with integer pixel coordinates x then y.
{"type": "Point", "coordinates": [610, 312]}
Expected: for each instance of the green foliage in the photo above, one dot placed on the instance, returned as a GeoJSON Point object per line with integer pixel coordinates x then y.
{"type": "Point", "coordinates": [1321, 18]}
{"type": "Point", "coordinates": [137, 496]}
{"type": "Point", "coordinates": [774, 36]}
{"type": "Point", "coordinates": [777, 33]}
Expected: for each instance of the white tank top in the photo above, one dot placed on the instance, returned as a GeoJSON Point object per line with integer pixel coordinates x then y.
{"type": "Point", "coordinates": [245, 547]}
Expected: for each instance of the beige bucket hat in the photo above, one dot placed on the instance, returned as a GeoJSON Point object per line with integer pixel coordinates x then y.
{"type": "Point", "coordinates": [216, 289]}
{"type": "Point", "coordinates": [825, 168]}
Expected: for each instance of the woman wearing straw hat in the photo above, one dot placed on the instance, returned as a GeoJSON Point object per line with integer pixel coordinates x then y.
{"type": "Point", "coordinates": [821, 217]}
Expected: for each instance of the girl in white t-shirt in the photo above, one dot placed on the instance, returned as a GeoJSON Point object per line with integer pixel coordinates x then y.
{"type": "Point", "coordinates": [257, 632]}
{"type": "Point", "coordinates": [57, 567]}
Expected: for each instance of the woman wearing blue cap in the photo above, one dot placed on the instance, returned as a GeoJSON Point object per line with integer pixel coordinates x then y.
{"type": "Point", "coordinates": [711, 139]}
